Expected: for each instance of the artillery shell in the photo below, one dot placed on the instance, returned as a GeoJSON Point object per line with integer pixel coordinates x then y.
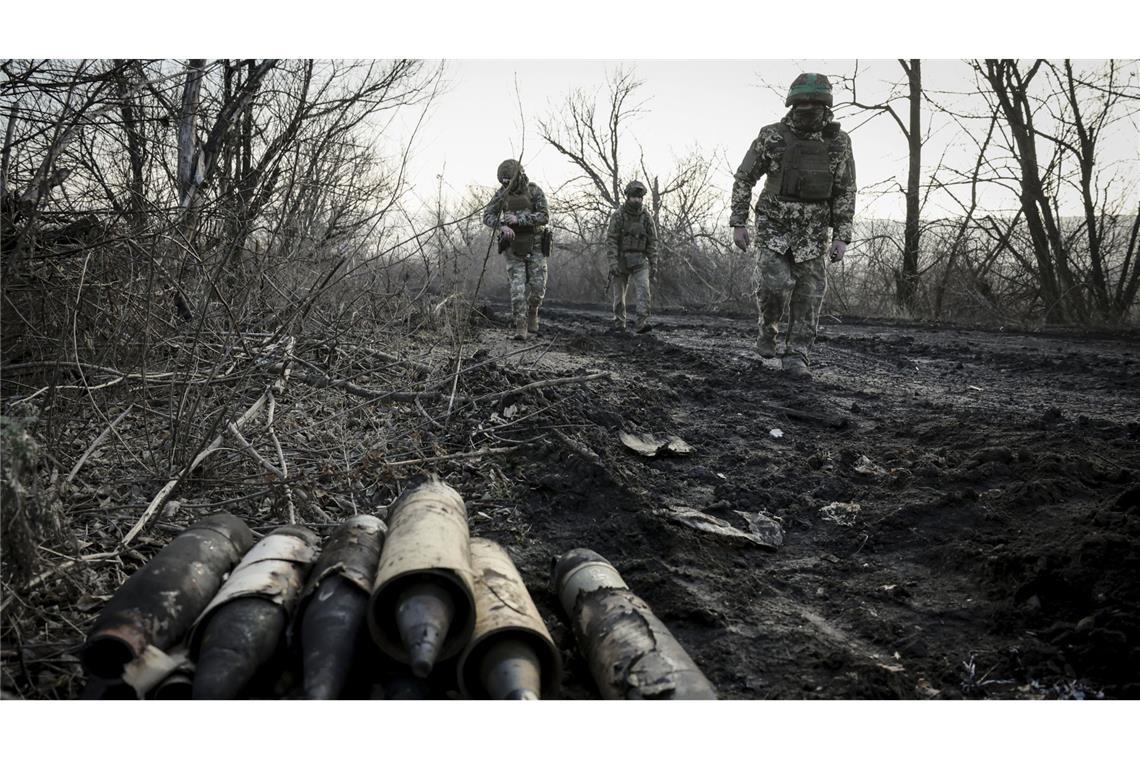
{"type": "Point", "coordinates": [632, 654]}
{"type": "Point", "coordinates": [511, 654]}
{"type": "Point", "coordinates": [331, 628]}
{"type": "Point", "coordinates": [160, 601]}
{"type": "Point", "coordinates": [510, 670]}
{"type": "Point", "coordinates": [242, 628]}
{"type": "Point", "coordinates": [331, 613]}
{"type": "Point", "coordinates": [239, 639]}
{"type": "Point", "coordinates": [423, 589]}
{"type": "Point", "coordinates": [424, 612]}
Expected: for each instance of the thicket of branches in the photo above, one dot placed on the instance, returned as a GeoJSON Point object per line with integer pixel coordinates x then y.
{"type": "Point", "coordinates": [168, 230]}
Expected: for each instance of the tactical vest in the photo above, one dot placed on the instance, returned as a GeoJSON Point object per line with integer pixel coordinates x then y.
{"type": "Point", "coordinates": [634, 235]}
{"type": "Point", "coordinates": [805, 170]}
{"type": "Point", "coordinates": [524, 233]}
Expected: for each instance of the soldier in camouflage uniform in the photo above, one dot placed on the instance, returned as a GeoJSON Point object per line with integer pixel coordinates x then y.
{"type": "Point", "coordinates": [809, 188]}
{"type": "Point", "coordinates": [631, 247]}
{"type": "Point", "coordinates": [518, 209]}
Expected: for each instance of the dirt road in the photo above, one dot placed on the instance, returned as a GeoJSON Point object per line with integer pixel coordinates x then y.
{"type": "Point", "coordinates": [960, 509]}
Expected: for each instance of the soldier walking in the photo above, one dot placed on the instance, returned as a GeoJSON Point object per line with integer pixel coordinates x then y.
{"type": "Point", "coordinates": [631, 247]}
{"type": "Point", "coordinates": [804, 212]}
{"type": "Point", "coordinates": [518, 209]}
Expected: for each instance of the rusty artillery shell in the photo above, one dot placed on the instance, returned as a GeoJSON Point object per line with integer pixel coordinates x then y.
{"type": "Point", "coordinates": [511, 654]}
{"type": "Point", "coordinates": [632, 654]}
{"type": "Point", "coordinates": [243, 626]}
{"type": "Point", "coordinates": [159, 602]}
{"type": "Point", "coordinates": [422, 609]}
{"type": "Point", "coordinates": [331, 614]}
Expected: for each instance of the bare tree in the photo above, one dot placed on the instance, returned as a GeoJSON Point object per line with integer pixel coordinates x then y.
{"type": "Point", "coordinates": [592, 141]}
{"type": "Point", "coordinates": [907, 274]}
{"type": "Point", "coordinates": [1042, 105]}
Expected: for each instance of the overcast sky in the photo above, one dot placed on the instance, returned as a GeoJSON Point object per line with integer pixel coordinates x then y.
{"type": "Point", "coordinates": [714, 107]}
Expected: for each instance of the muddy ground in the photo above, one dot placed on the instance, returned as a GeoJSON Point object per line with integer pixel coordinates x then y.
{"type": "Point", "coordinates": [961, 510]}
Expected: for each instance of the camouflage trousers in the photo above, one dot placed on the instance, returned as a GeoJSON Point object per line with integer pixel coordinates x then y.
{"type": "Point", "coordinates": [527, 276]}
{"type": "Point", "coordinates": [790, 271]}
{"type": "Point", "coordinates": [639, 279]}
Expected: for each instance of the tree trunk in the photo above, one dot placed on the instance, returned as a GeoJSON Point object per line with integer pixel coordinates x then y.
{"type": "Point", "coordinates": [908, 278]}
{"type": "Point", "coordinates": [1061, 299]}
{"type": "Point", "coordinates": [135, 151]}
{"type": "Point", "coordinates": [187, 136]}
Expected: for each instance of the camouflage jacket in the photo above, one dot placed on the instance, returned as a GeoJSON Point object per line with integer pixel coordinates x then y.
{"type": "Point", "coordinates": [619, 221]}
{"type": "Point", "coordinates": [536, 217]}
{"type": "Point", "coordinates": [764, 156]}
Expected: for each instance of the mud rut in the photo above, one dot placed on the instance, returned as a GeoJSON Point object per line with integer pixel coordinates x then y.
{"type": "Point", "coordinates": [995, 549]}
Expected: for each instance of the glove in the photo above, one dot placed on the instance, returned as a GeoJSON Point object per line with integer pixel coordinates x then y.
{"type": "Point", "coordinates": [506, 232]}
{"type": "Point", "coordinates": [838, 248]}
{"type": "Point", "coordinates": [741, 237]}
{"type": "Point", "coordinates": [510, 218]}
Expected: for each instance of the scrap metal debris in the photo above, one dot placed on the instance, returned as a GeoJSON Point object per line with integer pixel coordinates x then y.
{"type": "Point", "coordinates": [763, 530]}
{"type": "Point", "coordinates": [650, 446]}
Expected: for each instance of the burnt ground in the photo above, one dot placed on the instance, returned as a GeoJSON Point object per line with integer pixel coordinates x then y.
{"type": "Point", "coordinates": [986, 541]}
{"type": "Point", "coordinates": [960, 508]}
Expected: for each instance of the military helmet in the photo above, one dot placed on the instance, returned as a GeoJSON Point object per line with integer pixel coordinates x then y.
{"type": "Point", "coordinates": [508, 170]}
{"type": "Point", "coordinates": [636, 188]}
{"type": "Point", "coordinates": [810, 88]}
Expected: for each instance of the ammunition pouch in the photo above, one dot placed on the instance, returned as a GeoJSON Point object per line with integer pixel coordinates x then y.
{"type": "Point", "coordinates": [634, 261]}
{"type": "Point", "coordinates": [805, 171]}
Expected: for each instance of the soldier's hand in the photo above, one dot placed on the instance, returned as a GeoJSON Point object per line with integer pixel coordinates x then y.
{"type": "Point", "coordinates": [838, 248]}
{"type": "Point", "coordinates": [507, 232]}
{"type": "Point", "coordinates": [509, 218]}
{"type": "Point", "coordinates": [741, 237]}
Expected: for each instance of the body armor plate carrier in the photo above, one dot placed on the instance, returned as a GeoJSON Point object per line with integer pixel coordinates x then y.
{"type": "Point", "coordinates": [805, 170]}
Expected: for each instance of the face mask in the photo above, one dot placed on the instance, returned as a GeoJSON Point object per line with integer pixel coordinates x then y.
{"type": "Point", "coordinates": [809, 119]}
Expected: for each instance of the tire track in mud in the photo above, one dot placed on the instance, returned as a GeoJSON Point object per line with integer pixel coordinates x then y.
{"type": "Point", "coordinates": [968, 561]}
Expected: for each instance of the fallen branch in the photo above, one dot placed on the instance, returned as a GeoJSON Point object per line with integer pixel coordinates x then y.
{"type": "Point", "coordinates": [55, 569]}
{"type": "Point", "coordinates": [544, 384]}
{"type": "Point", "coordinates": [94, 445]}
{"type": "Point", "coordinates": [578, 448]}
{"type": "Point", "coordinates": [324, 381]}
{"type": "Point", "coordinates": [463, 455]}
{"type": "Point", "coordinates": [164, 493]}
{"type": "Point", "coordinates": [248, 448]}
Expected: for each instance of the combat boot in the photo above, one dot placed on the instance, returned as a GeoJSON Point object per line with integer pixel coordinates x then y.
{"type": "Point", "coordinates": [616, 326]}
{"type": "Point", "coordinates": [766, 346]}
{"type": "Point", "coordinates": [520, 329]}
{"type": "Point", "coordinates": [532, 319]}
{"type": "Point", "coordinates": [795, 366]}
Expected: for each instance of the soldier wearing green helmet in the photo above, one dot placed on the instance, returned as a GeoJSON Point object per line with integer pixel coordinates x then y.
{"type": "Point", "coordinates": [805, 210]}
{"type": "Point", "coordinates": [631, 248]}
{"type": "Point", "coordinates": [519, 211]}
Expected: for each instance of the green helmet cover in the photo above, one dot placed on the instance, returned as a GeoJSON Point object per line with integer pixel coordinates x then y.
{"type": "Point", "coordinates": [810, 88]}
{"type": "Point", "coordinates": [636, 188]}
